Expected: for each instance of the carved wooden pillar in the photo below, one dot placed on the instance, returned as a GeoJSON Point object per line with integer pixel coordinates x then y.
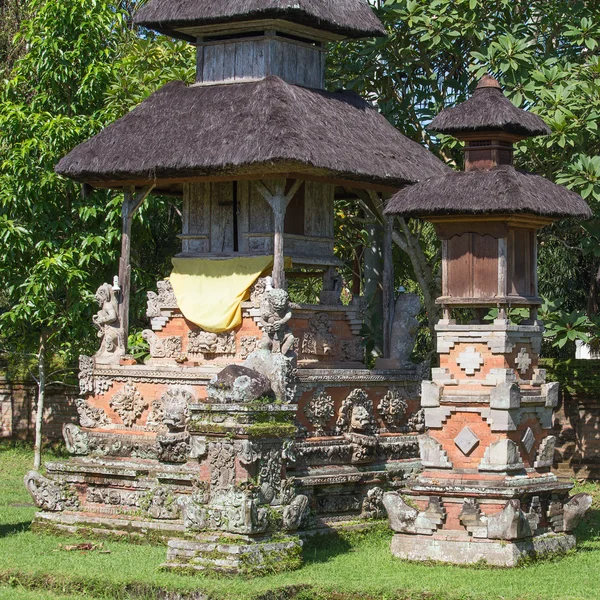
{"type": "Point", "coordinates": [278, 201]}
{"type": "Point", "coordinates": [132, 201]}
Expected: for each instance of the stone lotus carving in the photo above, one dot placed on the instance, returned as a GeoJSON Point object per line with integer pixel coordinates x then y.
{"type": "Point", "coordinates": [128, 404]}
{"type": "Point", "coordinates": [392, 409]}
{"type": "Point", "coordinates": [90, 416]}
{"type": "Point", "coordinates": [319, 411]}
{"type": "Point", "coordinates": [275, 314]}
{"type": "Point", "coordinates": [167, 347]}
{"type": "Point", "coordinates": [205, 342]}
{"type": "Point", "coordinates": [48, 495]}
{"type": "Point", "coordinates": [356, 414]}
{"type": "Point", "coordinates": [110, 332]}
{"type": "Point", "coordinates": [319, 341]}
{"type": "Point", "coordinates": [77, 441]}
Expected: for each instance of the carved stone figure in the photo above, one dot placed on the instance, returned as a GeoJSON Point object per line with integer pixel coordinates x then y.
{"type": "Point", "coordinates": [221, 457]}
{"type": "Point", "coordinates": [168, 347]}
{"type": "Point", "coordinates": [332, 288]}
{"type": "Point", "coordinates": [90, 417]}
{"type": "Point", "coordinates": [356, 414]}
{"type": "Point", "coordinates": [574, 509]}
{"type": "Point", "coordinates": [275, 313]}
{"type": "Point", "coordinates": [279, 369]}
{"type": "Point", "coordinates": [372, 506]}
{"type": "Point", "coordinates": [416, 421]}
{"type": "Point", "coordinates": [112, 346]}
{"type": "Point", "coordinates": [319, 341]}
{"type": "Point", "coordinates": [258, 290]}
{"type": "Point", "coordinates": [128, 404]}
{"type": "Point", "coordinates": [205, 342]}
{"type": "Point", "coordinates": [174, 446]}
{"type": "Point", "coordinates": [319, 411]}
{"type": "Point", "coordinates": [237, 383]}
{"type": "Point", "coordinates": [404, 327]}
{"type": "Point", "coordinates": [162, 504]}
{"type": "Point", "coordinates": [295, 513]}
{"type": "Point", "coordinates": [77, 441]}
{"type": "Point", "coordinates": [269, 475]}
{"type": "Point", "coordinates": [153, 305]}
{"type": "Point", "coordinates": [48, 495]}
{"type": "Point", "coordinates": [166, 295]}
{"type": "Point", "coordinates": [392, 409]}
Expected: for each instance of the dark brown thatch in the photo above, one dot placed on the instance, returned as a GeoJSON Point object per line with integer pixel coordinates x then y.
{"type": "Point", "coordinates": [500, 190]}
{"type": "Point", "coordinates": [488, 110]}
{"type": "Point", "coordinates": [183, 131]}
{"type": "Point", "coordinates": [350, 18]}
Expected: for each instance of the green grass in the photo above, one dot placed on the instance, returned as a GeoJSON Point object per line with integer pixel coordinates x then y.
{"type": "Point", "coordinates": [348, 567]}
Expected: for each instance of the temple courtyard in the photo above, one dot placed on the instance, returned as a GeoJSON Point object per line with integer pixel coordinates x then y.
{"type": "Point", "coordinates": [353, 565]}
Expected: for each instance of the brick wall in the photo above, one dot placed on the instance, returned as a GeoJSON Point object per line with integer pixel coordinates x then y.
{"type": "Point", "coordinates": [18, 400]}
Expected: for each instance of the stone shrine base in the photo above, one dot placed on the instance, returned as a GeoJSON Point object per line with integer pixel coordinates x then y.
{"type": "Point", "coordinates": [462, 551]}
{"type": "Point", "coordinates": [213, 553]}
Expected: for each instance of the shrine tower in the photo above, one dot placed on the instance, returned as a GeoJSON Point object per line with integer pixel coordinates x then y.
{"type": "Point", "coordinates": [487, 492]}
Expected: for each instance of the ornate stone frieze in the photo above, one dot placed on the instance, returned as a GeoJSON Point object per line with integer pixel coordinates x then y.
{"type": "Point", "coordinates": [110, 445]}
{"type": "Point", "coordinates": [351, 351]}
{"type": "Point", "coordinates": [392, 409]}
{"type": "Point", "coordinates": [128, 404]}
{"type": "Point", "coordinates": [49, 495]}
{"type": "Point", "coordinates": [205, 342]}
{"type": "Point", "coordinates": [342, 503]}
{"type": "Point", "coordinates": [88, 382]}
{"type": "Point", "coordinates": [356, 414]}
{"type": "Point", "coordinates": [113, 497]}
{"type": "Point", "coordinates": [319, 341]}
{"type": "Point", "coordinates": [319, 411]}
{"type": "Point", "coordinates": [167, 347]}
{"type": "Point", "coordinates": [90, 417]}
{"type": "Point", "coordinates": [173, 447]}
{"type": "Point", "coordinates": [221, 457]}
{"type": "Point", "coordinates": [160, 503]}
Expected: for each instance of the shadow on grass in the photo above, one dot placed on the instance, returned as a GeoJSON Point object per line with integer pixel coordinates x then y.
{"type": "Point", "coordinates": [589, 528]}
{"type": "Point", "coordinates": [323, 546]}
{"type": "Point", "coordinates": [7, 529]}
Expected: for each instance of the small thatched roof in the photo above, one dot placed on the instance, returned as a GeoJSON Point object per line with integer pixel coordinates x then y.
{"type": "Point", "coordinates": [350, 18]}
{"type": "Point", "coordinates": [248, 128]}
{"type": "Point", "coordinates": [488, 109]}
{"type": "Point", "coordinates": [499, 190]}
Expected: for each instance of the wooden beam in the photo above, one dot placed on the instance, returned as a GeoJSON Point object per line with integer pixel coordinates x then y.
{"type": "Point", "coordinates": [131, 203]}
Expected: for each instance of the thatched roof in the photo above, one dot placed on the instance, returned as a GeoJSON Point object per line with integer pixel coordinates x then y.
{"type": "Point", "coordinates": [252, 127]}
{"type": "Point", "coordinates": [488, 109]}
{"type": "Point", "coordinates": [499, 190]}
{"type": "Point", "coordinates": [350, 18]}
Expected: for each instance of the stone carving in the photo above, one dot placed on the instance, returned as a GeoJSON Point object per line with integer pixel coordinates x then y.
{"type": "Point", "coordinates": [392, 409]}
{"type": "Point", "coordinates": [87, 382]}
{"type": "Point", "coordinates": [205, 342]}
{"type": "Point", "coordinates": [351, 351]}
{"type": "Point", "coordinates": [372, 506]}
{"type": "Point", "coordinates": [77, 441]}
{"type": "Point", "coordinates": [523, 361]}
{"type": "Point", "coordinates": [416, 421]}
{"type": "Point", "coordinates": [161, 504]}
{"type": "Point", "coordinates": [113, 497]}
{"type": "Point", "coordinates": [279, 369]}
{"type": "Point", "coordinates": [470, 360]}
{"type": "Point", "coordinates": [574, 509]}
{"type": "Point", "coordinates": [153, 305]}
{"type": "Point", "coordinates": [319, 341]}
{"type": "Point", "coordinates": [48, 495]}
{"type": "Point", "coordinates": [336, 504]}
{"type": "Point", "coordinates": [275, 313]}
{"type": "Point", "coordinates": [257, 291]}
{"type": "Point", "coordinates": [174, 446]}
{"type": "Point", "coordinates": [248, 345]}
{"type": "Point", "coordinates": [221, 457]}
{"type": "Point", "coordinates": [295, 513]}
{"type": "Point", "coordinates": [237, 383]}
{"type": "Point", "coordinates": [106, 444]}
{"type": "Point", "coordinates": [332, 288]}
{"type": "Point", "coordinates": [166, 295]}
{"type": "Point", "coordinates": [356, 414]}
{"type": "Point", "coordinates": [128, 404]}
{"type": "Point", "coordinates": [508, 524]}
{"type": "Point", "coordinates": [404, 327]}
{"type": "Point", "coordinates": [319, 411]}
{"type": "Point", "coordinates": [167, 347]}
{"type": "Point", "coordinates": [154, 422]}
{"type": "Point", "coordinates": [269, 475]}
{"type": "Point", "coordinates": [90, 416]}
{"type": "Point", "coordinates": [406, 519]}
{"type": "Point", "coordinates": [112, 345]}
{"type": "Point", "coordinates": [247, 453]}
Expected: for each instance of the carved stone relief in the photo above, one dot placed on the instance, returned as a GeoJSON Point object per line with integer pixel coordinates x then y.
{"type": "Point", "coordinates": [319, 341]}
{"type": "Point", "coordinates": [90, 416]}
{"type": "Point", "coordinates": [275, 314]}
{"type": "Point", "coordinates": [248, 344]}
{"type": "Point", "coordinates": [372, 506]}
{"type": "Point", "coordinates": [221, 457]}
{"type": "Point", "coordinates": [77, 441]}
{"type": "Point", "coordinates": [351, 351]}
{"type": "Point", "coordinates": [49, 495]}
{"type": "Point", "coordinates": [112, 497]}
{"type": "Point", "coordinates": [128, 404]}
{"type": "Point", "coordinates": [392, 409]}
{"type": "Point", "coordinates": [167, 347]}
{"type": "Point", "coordinates": [166, 295]}
{"type": "Point", "coordinates": [356, 414]}
{"type": "Point", "coordinates": [112, 344]}
{"type": "Point", "coordinates": [258, 290]}
{"type": "Point", "coordinates": [161, 504]}
{"type": "Point", "coordinates": [205, 342]}
{"type": "Point", "coordinates": [319, 411]}
{"type": "Point", "coordinates": [87, 382]}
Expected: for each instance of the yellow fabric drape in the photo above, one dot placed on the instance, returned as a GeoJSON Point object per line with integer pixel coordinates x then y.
{"type": "Point", "coordinates": [210, 292]}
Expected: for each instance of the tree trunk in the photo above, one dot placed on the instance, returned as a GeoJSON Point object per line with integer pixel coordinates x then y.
{"type": "Point", "coordinates": [39, 416]}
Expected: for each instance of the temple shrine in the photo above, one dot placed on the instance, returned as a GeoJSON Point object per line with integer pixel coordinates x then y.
{"type": "Point", "coordinates": [486, 492]}
{"type": "Point", "coordinates": [254, 418]}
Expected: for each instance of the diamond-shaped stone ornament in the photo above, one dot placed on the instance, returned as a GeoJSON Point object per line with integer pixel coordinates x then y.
{"type": "Point", "coordinates": [523, 361]}
{"type": "Point", "coordinates": [528, 440]}
{"type": "Point", "coordinates": [470, 361]}
{"type": "Point", "coordinates": [466, 440]}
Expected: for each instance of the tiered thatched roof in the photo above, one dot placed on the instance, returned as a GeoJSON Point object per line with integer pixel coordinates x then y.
{"type": "Point", "coordinates": [246, 128]}
{"type": "Point", "coordinates": [502, 190]}
{"type": "Point", "coordinates": [488, 110]}
{"type": "Point", "coordinates": [348, 18]}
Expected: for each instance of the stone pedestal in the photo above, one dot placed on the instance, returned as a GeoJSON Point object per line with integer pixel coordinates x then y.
{"type": "Point", "coordinates": [486, 493]}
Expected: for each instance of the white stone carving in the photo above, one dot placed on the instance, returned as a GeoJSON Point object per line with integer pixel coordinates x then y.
{"type": "Point", "coordinates": [523, 361]}
{"type": "Point", "coordinates": [470, 360]}
{"type": "Point", "coordinates": [128, 404]}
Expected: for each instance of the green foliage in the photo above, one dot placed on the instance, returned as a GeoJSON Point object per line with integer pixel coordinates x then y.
{"type": "Point", "coordinates": [576, 377]}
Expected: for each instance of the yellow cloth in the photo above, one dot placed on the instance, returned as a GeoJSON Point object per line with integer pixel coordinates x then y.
{"type": "Point", "coordinates": [210, 292]}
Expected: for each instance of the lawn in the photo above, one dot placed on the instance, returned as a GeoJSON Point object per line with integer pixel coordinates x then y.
{"type": "Point", "coordinates": [35, 566]}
